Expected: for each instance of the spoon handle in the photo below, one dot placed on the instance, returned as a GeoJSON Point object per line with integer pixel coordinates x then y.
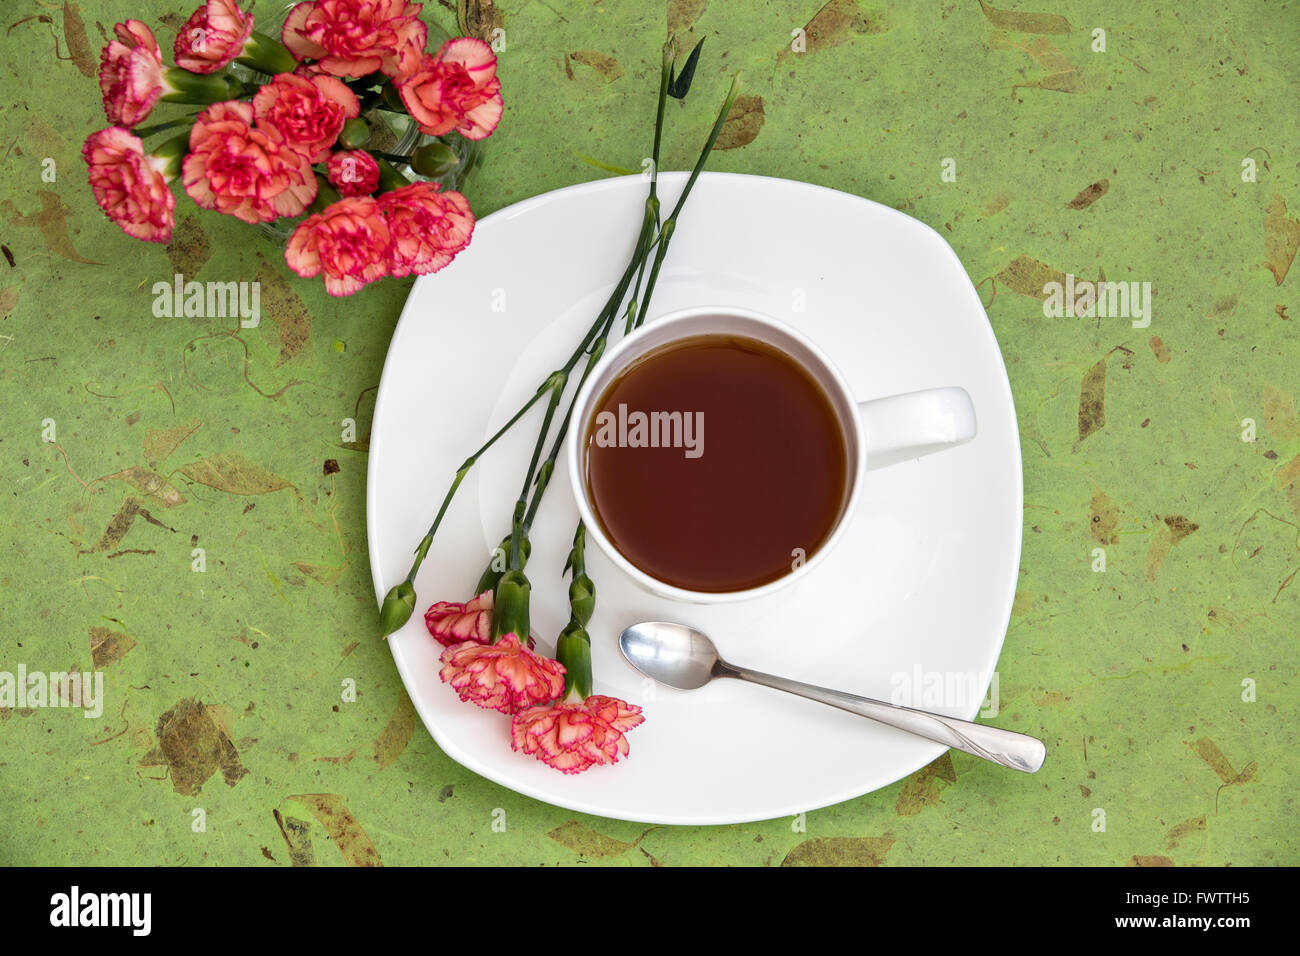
{"type": "Point", "coordinates": [1017, 751]}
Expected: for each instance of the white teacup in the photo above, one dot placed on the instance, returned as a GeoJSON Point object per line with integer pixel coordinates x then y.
{"type": "Point", "coordinates": [877, 433]}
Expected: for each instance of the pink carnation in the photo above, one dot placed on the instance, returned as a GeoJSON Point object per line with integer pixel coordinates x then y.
{"type": "Point", "coordinates": [348, 242]}
{"type": "Point", "coordinates": [213, 36]}
{"type": "Point", "coordinates": [353, 172]}
{"type": "Point", "coordinates": [456, 89]}
{"type": "Point", "coordinates": [130, 186]}
{"type": "Point", "coordinates": [504, 676]}
{"type": "Point", "coordinates": [451, 623]}
{"type": "Point", "coordinates": [309, 112]}
{"type": "Point", "coordinates": [575, 737]}
{"type": "Point", "coordinates": [429, 227]}
{"type": "Point", "coordinates": [356, 37]}
{"type": "Point", "coordinates": [245, 172]}
{"type": "Point", "coordinates": [130, 74]}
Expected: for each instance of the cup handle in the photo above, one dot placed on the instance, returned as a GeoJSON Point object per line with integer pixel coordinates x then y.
{"type": "Point", "coordinates": [903, 427]}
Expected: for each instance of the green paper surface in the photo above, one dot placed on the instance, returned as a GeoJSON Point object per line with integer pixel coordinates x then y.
{"type": "Point", "coordinates": [1163, 685]}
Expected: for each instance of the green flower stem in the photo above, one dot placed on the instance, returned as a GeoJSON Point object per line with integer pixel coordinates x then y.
{"type": "Point", "coordinates": [665, 79]}
{"type": "Point", "coordinates": [144, 132]}
{"type": "Point", "coordinates": [629, 321]}
{"type": "Point", "coordinates": [635, 316]}
{"type": "Point", "coordinates": [599, 328]}
{"type": "Point", "coordinates": [555, 384]}
{"type": "Point", "coordinates": [512, 584]}
{"type": "Point", "coordinates": [512, 592]}
{"type": "Point", "coordinates": [666, 231]}
{"type": "Point", "coordinates": [708, 146]}
{"type": "Point", "coordinates": [396, 595]}
{"type": "Point", "coordinates": [593, 353]}
{"type": "Point", "coordinates": [665, 234]}
{"type": "Point", "coordinates": [548, 466]}
{"type": "Point", "coordinates": [665, 74]}
{"type": "Point", "coordinates": [573, 649]}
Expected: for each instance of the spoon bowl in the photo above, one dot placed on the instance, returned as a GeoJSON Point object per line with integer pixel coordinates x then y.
{"type": "Point", "coordinates": [672, 654]}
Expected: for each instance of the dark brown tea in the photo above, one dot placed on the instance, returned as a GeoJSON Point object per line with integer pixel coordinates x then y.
{"type": "Point", "coordinates": [716, 463]}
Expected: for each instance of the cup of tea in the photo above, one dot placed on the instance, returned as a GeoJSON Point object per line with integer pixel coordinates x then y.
{"type": "Point", "coordinates": [717, 454]}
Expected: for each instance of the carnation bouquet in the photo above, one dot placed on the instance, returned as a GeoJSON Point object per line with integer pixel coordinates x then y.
{"type": "Point", "coordinates": [282, 136]}
{"type": "Point", "coordinates": [292, 129]}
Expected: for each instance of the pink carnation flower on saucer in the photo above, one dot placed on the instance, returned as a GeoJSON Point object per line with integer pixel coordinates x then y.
{"type": "Point", "coordinates": [505, 676]}
{"type": "Point", "coordinates": [452, 623]}
{"type": "Point", "coordinates": [576, 737]}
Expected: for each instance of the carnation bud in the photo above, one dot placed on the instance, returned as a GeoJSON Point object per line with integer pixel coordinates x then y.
{"type": "Point", "coordinates": [355, 134]}
{"type": "Point", "coordinates": [398, 606]}
{"type": "Point", "coordinates": [582, 599]}
{"type": "Point", "coordinates": [434, 160]}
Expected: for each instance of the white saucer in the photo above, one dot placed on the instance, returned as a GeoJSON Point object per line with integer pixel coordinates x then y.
{"type": "Point", "coordinates": [918, 593]}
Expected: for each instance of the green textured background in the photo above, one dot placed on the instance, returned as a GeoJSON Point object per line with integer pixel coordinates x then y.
{"type": "Point", "coordinates": [224, 687]}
